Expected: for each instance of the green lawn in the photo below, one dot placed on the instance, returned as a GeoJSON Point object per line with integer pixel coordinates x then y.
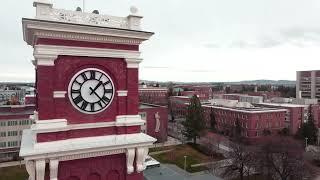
{"type": "Point", "coordinates": [176, 156]}
{"type": "Point", "coordinates": [13, 173]}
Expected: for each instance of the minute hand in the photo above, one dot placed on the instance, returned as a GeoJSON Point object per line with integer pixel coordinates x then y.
{"type": "Point", "coordinates": [94, 90]}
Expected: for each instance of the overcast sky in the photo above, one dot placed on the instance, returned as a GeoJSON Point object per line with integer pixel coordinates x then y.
{"type": "Point", "coordinates": [203, 40]}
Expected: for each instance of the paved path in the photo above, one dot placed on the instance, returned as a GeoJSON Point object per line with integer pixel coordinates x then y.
{"type": "Point", "coordinates": [172, 172]}
{"type": "Point", "coordinates": [11, 163]}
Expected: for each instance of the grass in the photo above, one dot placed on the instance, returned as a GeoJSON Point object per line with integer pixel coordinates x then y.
{"type": "Point", "coordinates": [176, 156]}
{"type": "Point", "coordinates": [13, 173]}
{"type": "Point", "coordinates": [160, 149]}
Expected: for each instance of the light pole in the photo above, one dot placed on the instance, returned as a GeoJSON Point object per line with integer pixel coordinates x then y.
{"type": "Point", "coordinates": [306, 141]}
{"type": "Point", "coordinates": [185, 163]}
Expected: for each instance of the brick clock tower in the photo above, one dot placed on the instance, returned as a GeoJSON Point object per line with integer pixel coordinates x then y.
{"type": "Point", "coordinates": [87, 125]}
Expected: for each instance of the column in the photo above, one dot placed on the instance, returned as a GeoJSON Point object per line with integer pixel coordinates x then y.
{"type": "Point", "coordinates": [141, 156]}
{"type": "Point", "coordinates": [31, 169]}
{"type": "Point", "coordinates": [40, 169]}
{"type": "Point", "coordinates": [54, 164]}
{"type": "Point", "coordinates": [130, 158]}
{"type": "Point", "coordinates": [132, 85]}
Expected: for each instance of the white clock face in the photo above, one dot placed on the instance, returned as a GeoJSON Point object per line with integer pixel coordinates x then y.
{"type": "Point", "coordinates": [91, 91]}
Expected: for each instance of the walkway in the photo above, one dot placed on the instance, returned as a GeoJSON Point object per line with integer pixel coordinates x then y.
{"type": "Point", "coordinates": [11, 163]}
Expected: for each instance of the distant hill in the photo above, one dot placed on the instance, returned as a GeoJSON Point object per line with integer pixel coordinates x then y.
{"type": "Point", "coordinates": [264, 81]}
{"type": "Point", "coordinates": [252, 82]}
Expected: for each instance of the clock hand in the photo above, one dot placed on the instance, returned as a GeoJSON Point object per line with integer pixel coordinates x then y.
{"type": "Point", "coordinates": [94, 90]}
{"type": "Point", "coordinates": [97, 95]}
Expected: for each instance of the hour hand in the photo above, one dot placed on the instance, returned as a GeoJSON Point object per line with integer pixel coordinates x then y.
{"type": "Point", "coordinates": [94, 90]}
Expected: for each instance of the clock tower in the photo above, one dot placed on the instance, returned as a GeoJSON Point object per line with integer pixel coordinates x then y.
{"type": "Point", "coordinates": [87, 125]}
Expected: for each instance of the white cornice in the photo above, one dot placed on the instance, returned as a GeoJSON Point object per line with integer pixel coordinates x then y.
{"type": "Point", "coordinates": [34, 29]}
{"type": "Point", "coordinates": [73, 148]}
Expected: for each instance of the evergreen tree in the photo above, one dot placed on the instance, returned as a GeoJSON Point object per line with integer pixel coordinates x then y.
{"type": "Point", "coordinates": [194, 123]}
{"type": "Point", "coordinates": [238, 131]}
{"type": "Point", "coordinates": [213, 121]}
{"type": "Point", "coordinates": [308, 129]}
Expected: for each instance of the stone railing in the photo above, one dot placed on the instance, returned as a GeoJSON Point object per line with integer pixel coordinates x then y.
{"type": "Point", "coordinates": [46, 12]}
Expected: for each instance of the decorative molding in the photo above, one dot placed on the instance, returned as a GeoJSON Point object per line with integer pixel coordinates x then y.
{"type": "Point", "coordinates": [33, 29]}
{"type": "Point", "coordinates": [133, 62]}
{"type": "Point", "coordinates": [59, 94]}
{"type": "Point", "coordinates": [87, 37]}
{"type": "Point", "coordinates": [56, 125]}
{"type": "Point", "coordinates": [91, 154]}
{"type": "Point", "coordinates": [54, 51]}
{"type": "Point", "coordinates": [45, 60]}
{"type": "Point", "coordinates": [122, 93]}
{"type": "Point", "coordinates": [30, 167]}
{"type": "Point", "coordinates": [54, 164]}
{"type": "Point", "coordinates": [40, 169]}
{"type": "Point", "coordinates": [130, 154]}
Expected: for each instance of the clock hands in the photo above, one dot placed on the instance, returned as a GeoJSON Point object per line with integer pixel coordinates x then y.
{"type": "Point", "coordinates": [92, 91]}
{"type": "Point", "coordinates": [97, 86]}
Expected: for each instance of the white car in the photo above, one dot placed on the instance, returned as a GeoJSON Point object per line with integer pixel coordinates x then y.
{"type": "Point", "coordinates": [150, 162]}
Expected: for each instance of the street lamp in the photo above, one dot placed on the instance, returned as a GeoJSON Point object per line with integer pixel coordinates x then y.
{"type": "Point", "coordinates": [306, 141]}
{"type": "Point", "coordinates": [185, 163]}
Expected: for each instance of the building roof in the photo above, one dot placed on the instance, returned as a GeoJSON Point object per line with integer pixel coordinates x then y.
{"type": "Point", "coordinates": [283, 105]}
{"type": "Point", "coordinates": [148, 106]}
{"type": "Point", "coordinates": [247, 110]}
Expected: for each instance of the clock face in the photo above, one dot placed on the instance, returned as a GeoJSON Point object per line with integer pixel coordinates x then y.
{"type": "Point", "coordinates": [91, 91]}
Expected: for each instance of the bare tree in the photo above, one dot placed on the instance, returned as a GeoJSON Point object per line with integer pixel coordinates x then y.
{"type": "Point", "coordinates": [280, 158]}
{"type": "Point", "coordinates": [241, 161]}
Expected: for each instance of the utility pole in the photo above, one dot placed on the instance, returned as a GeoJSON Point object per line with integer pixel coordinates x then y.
{"type": "Point", "coordinates": [185, 163]}
{"type": "Point", "coordinates": [83, 5]}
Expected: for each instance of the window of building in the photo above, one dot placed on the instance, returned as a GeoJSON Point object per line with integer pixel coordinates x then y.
{"type": "Point", "coordinates": [3, 123]}
{"type": "Point", "coordinates": [12, 143]}
{"type": "Point", "coordinates": [12, 133]}
{"type": "Point", "coordinates": [3, 134]}
{"type": "Point", "coordinates": [12, 123]}
{"type": "Point", "coordinates": [3, 144]}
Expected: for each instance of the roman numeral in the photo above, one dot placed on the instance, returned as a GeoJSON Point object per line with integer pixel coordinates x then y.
{"type": "Point", "coordinates": [92, 106]}
{"type": "Point", "coordinates": [77, 82]}
{"type": "Point", "coordinates": [99, 103]}
{"type": "Point", "coordinates": [84, 105]}
{"type": "Point", "coordinates": [104, 98]}
{"type": "Point", "coordinates": [78, 99]}
{"type": "Point", "coordinates": [84, 76]}
{"type": "Point", "coordinates": [75, 91]}
{"type": "Point", "coordinates": [108, 82]}
{"type": "Point", "coordinates": [107, 91]}
{"type": "Point", "coordinates": [92, 75]}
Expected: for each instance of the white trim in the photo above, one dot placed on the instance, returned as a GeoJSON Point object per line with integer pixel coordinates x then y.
{"type": "Point", "coordinates": [46, 54]}
{"type": "Point", "coordinates": [59, 94]}
{"type": "Point", "coordinates": [133, 62]}
{"type": "Point", "coordinates": [54, 125]}
{"type": "Point", "coordinates": [31, 150]}
{"type": "Point", "coordinates": [122, 93]}
{"type": "Point", "coordinates": [45, 59]}
{"type": "Point", "coordinates": [141, 153]}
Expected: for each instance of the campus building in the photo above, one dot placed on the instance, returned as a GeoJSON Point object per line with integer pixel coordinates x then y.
{"type": "Point", "coordinates": [308, 84]}
{"type": "Point", "coordinates": [13, 120]}
{"type": "Point", "coordinates": [153, 95]}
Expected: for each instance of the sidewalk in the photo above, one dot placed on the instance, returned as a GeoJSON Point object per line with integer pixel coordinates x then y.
{"type": "Point", "coordinates": [11, 163]}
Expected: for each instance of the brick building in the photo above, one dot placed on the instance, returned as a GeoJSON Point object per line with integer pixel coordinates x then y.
{"type": "Point", "coordinates": [13, 120]}
{"type": "Point", "coordinates": [254, 121]}
{"type": "Point", "coordinates": [153, 95]}
{"type": "Point", "coordinates": [156, 118]}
